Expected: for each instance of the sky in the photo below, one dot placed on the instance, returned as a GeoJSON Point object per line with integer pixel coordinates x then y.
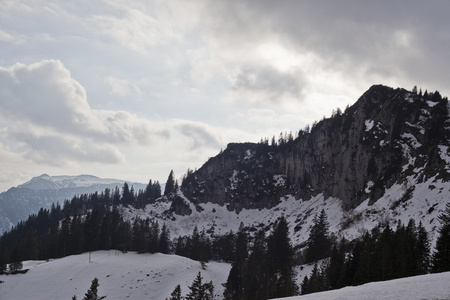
{"type": "Point", "coordinates": [132, 89]}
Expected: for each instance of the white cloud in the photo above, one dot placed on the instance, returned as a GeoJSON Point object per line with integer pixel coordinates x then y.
{"type": "Point", "coordinates": [132, 28]}
{"type": "Point", "coordinates": [200, 135]}
{"type": "Point", "coordinates": [48, 115]}
{"type": "Point", "coordinates": [123, 88]}
{"type": "Point", "coordinates": [6, 37]}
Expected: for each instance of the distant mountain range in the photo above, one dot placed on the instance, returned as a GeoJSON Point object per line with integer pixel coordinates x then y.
{"type": "Point", "coordinates": [19, 202]}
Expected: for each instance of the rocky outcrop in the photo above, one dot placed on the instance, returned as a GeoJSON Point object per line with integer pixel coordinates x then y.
{"type": "Point", "coordinates": [387, 135]}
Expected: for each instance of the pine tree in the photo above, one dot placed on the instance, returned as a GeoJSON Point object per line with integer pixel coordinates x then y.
{"type": "Point", "coordinates": [441, 256]}
{"type": "Point", "coordinates": [255, 285]}
{"type": "Point", "coordinates": [91, 294]}
{"type": "Point", "coordinates": [3, 260]}
{"type": "Point", "coordinates": [200, 290]}
{"type": "Point", "coordinates": [170, 184]}
{"type": "Point", "coordinates": [176, 294]}
{"type": "Point", "coordinates": [235, 282]}
{"type": "Point", "coordinates": [16, 260]}
{"type": "Point", "coordinates": [422, 250]}
{"type": "Point", "coordinates": [319, 243]}
{"type": "Point", "coordinates": [280, 262]}
{"type": "Point", "coordinates": [164, 239]}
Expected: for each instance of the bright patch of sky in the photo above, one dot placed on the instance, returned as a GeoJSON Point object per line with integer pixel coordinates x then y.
{"type": "Point", "coordinates": [134, 89]}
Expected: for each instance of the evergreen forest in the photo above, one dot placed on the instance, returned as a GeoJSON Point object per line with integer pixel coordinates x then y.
{"type": "Point", "coordinates": [263, 261]}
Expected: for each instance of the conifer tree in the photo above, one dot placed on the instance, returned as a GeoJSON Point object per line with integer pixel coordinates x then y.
{"type": "Point", "coordinates": [164, 239]}
{"type": "Point", "coordinates": [422, 250]}
{"type": "Point", "coordinates": [256, 272]}
{"type": "Point", "coordinates": [235, 282]}
{"type": "Point", "coordinates": [176, 294]}
{"type": "Point", "coordinates": [16, 260]}
{"type": "Point", "coordinates": [91, 294]}
{"type": "Point", "coordinates": [200, 290]}
{"type": "Point", "coordinates": [3, 260]}
{"type": "Point", "coordinates": [170, 184]}
{"type": "Point", "coordinates": [441, 256]}
{"type": "Point", "coordinates": [319, 243]}
{"type": "Point", "coordinates": [280, 261]}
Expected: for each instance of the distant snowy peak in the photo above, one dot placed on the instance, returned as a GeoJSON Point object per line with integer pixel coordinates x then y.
{"type": "Point", "coordinates": [17, 203]}
{"type": "Point", "coordinates": [47, 182]}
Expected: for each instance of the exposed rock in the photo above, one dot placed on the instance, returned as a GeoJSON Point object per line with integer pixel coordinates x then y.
{"type": "Point", "coordinates": [385, 136]}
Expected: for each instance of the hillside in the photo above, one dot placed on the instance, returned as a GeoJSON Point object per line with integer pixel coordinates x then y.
{"type": "Point", "coordinates": [154, 276]}
{"type": "Point", "coordinates": [121, 276]}
{"type": "Point", "coordinates": [370, 170]}
{"type": "Point", "coordinates": [424, 287]}
{"type": "Point", "coordinates": [19, 202]}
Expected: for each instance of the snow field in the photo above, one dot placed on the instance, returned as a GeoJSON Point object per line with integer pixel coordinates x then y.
{"type": "Point", "coordinates": [424, 287]}
{"type": "Point", "coordinates": [121, 276]}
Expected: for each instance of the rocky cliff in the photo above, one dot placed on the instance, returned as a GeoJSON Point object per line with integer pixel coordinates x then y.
{"type": "Point", "coordinates": [387, 135]}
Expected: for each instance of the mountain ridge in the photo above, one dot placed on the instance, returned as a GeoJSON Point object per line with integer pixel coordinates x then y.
{"type": "Point", "coordinates": [385, 136]}
{"type": "Point", "coordinates": [17, 203]}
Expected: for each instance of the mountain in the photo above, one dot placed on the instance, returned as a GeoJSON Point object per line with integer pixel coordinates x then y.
{"type": "Point", "coordinates": [389, 136]}
{"type": "Point", "coordinates": [378, 164]}
{"type": "Point", "coordinates": [19, 202]}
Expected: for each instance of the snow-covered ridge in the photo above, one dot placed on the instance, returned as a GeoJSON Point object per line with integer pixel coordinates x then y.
{"type": "Point", "coordinates": [42, 191]}
{"type": "Point", "coordinates": [61, 182]}
{"type": "Point", "coordinates": [412, 199]}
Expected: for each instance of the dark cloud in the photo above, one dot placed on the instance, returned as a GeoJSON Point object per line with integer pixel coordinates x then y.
{"type": "Point", "coordinates": [365, 40]}
{"type": "Point", "coordinates": [269, 83]}
{"type": "Point", "coordinates": [200, 135]}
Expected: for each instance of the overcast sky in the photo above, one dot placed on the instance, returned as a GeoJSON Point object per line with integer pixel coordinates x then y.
{"type": "Point", "coordinates": [131, 89]}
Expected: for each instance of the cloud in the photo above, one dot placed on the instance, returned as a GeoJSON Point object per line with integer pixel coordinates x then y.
{"type": "Point", "coordinates": [132, 27]}
{"type": "Point", "coordinates": [123, 88]}
{"type": "Point", "coordinates": [200, 135]}
{"type": "Point", "coordinates": [361, 43]}
{"type": "Point", "coordinates": [48, 116]}
{"type": "Point", "coordinates": [262, 83]}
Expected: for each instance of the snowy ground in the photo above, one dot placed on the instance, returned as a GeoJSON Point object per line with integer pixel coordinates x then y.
{"type": "Point", "coordinates": [154, 276]}
{"type": "Point", "coordinates": [121, 276]}
{"type": "Point", "coordinates": [425, 287]}
{"type": "Point", "coordinates": [421, 201]}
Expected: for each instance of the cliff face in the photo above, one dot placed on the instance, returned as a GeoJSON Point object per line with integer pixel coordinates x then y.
{"type": "Point", "coordinates": [386, 136]}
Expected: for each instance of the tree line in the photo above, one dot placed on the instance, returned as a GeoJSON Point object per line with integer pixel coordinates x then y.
{"type": "Point", "coordinates": [382, 254]}
{"type": "Point", "coordinates": [262, 261]}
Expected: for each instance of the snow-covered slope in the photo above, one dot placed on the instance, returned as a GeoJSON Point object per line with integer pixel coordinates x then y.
{"type": "Point", "coordinates": [154, 276]}
{"type": "Point", "coordinates": [421, 201]}
{"type": "Point", "coordinates": [431, 287]}
{"type": "Point", "coordinates": [121, 276]}
{"type": "Point", "coordinates": [19, 202]}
